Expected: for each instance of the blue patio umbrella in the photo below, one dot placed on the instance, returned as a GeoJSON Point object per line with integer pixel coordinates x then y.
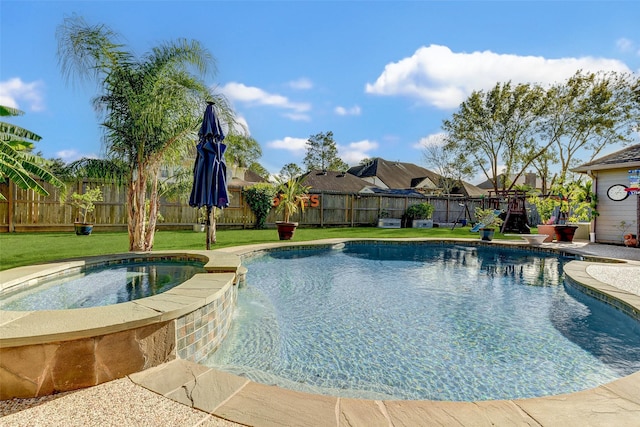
{"type": "Point", "coordinates": [210, 170]}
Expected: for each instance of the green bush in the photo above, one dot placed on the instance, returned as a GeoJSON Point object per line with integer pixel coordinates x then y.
{"type": "Point", "coordinates": [419, 211]}
{"type": "Point", "coordinates": [259, 197]}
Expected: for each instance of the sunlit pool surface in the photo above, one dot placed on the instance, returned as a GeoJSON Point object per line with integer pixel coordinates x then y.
{"type": "Point", "coordinates": [98, 286]}
{"type": "Point", "coordinates": [423, 321]}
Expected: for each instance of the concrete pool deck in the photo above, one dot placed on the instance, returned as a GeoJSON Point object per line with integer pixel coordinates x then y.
{"type": "Point", "coordinates": [181, 393]}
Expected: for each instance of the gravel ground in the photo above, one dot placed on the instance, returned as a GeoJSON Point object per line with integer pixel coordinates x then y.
{"type": "Point", "coordinates": [625, 277]}
{"type": "Point", "coordinates": [117, 403]}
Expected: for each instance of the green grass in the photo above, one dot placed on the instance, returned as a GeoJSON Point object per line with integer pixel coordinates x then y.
{"type": "Point", "coordinates": [18, 249]}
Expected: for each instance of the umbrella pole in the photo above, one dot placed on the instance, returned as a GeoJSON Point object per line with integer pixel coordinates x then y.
{"type": "Point", "coordinates": [208, 227]}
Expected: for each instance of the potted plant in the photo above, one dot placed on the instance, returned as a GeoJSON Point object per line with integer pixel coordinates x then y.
{"type": "Point", "coordinates": [545, 206]}
{"type": "Point", "coordinates": [85, 203]}
{"type": "Point", "coordinates": [582, 210]}
{"type": "Point", "coordinates": [490, 220]}
{"type": "Point", "coordinates": [201, 222]}
{"type": "Point", "coordinates": [385, 222]}
{"type": "Point", "coordinates": [420, 215]}
{"type": "Point", "coordinates": [292, 195]}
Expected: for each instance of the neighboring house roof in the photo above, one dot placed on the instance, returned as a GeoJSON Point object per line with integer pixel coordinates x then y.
{"type": "Point", "coordinates": [251, 176]}
{"type": "Point", "coordinates": [334, 181]}
{"type": "Point", "coordinates": [473, 190]}
{"type": "Point", "coordinates": [393, 191]}
{"type": "Point", "coordinates": [525, 178]}
{"type": "Point", "coordinates": [399, 175]}
{"type": "Point", "coordinates": [396, 174]}
{"type": "Point", "coordinates": [626, 158]}
{"type": "Point", "coordinates": [244, 178]}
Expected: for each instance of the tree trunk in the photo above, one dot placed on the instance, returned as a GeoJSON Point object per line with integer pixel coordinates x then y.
{"type": "Point", "coordinates": [136, 201]}
{"type": "Point", "coordinates": [153, 214]}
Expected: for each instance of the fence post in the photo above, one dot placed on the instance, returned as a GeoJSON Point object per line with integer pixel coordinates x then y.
{"type": "Point", "coordinates": [10, 208]}
{"type": "Point", "coordinates": [322, 209]}
{"type": "Point", "coordinates": [353, 211]}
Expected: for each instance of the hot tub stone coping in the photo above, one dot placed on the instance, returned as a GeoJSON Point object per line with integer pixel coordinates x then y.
{"type": "Point", "coordinates": [20, 328]}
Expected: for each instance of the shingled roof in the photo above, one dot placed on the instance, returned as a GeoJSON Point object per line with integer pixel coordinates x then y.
{"type": "Point", "coordinates": [626, 158]}
{"type": "Point", "coordinates": [395, 174]}
{"type": "Point", "coordinates": [332, 181]}
{"type": "Point", "coordinates": [399, 175]}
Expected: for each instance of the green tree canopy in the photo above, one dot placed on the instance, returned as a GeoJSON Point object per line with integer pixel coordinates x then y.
{"type": "Point", "coordinates": [150, 106]}
{"type": "Point", "coordinates": [497, 127]}
{"type": "Point", "coordinates": [453, 166]}
{"type": "Point", "coordinates": [259, 169]}
{"type": "Point", "coordinates": [527, 126]}
{"type": "Point", "coordinates": [242, 150]}
{"type": "Point", "coordinates": [290, 171]}
{"type": "Point", "coordinates": [587, 113]}
{"type": "Point", "coordinates": [322, 153]}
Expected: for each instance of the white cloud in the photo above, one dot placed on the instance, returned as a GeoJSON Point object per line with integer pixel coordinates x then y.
{"type": "Point", "coordinates": [353, 111]}
{"type": "Point", "coordinates": [624, 44]}
{"type": "Point", "coordinates": [14, 92]}
{"type": "Point", "coordinates": [436, 139]}
{"type": "Point", "coordinates": [356, 151]}
{"type": "Point", "coordinates": [296, 145]}
{"type": "Point", "coordinates": [439, 77]}
{"type": "Point", "coordinates": [71, 155]}
{"type": "Point", "coordinates": [298, 117]}
{"type": "Point", "coordinates": [301, 84]}
{"type": "Point", "coordinates": [255, 96]}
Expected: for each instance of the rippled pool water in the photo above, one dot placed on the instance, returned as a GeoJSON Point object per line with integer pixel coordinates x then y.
{"type": "Point", "coordinates": [423, 321]}
{"type": "Point", "coordinates": [98, 286]}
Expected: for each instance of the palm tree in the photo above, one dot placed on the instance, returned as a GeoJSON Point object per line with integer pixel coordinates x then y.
{"type": "Point", "coordinates": [16, 161]}
{"type": "Point", "coordinates": [151, 107]}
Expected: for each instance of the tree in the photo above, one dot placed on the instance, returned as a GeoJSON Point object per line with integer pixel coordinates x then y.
{"type": "Point", "coordinates": [242, 150]}
{"type": "Point", "coordinates": [451, 165]}
{"type": "Point", "coordinates": [259, 169]}
{"type": "Point", "coordinates": [322, 153]}
{"type": "Point", "coordinates": [16, 161]}
{"type": "Point", "coordinates": [588, 113]}
{"type": "Point", "coordinates": [290, 171]}
{"type": "Point", "coordinates": [151, 107]}
{"type": "Point", "coordinates": [497, 127]}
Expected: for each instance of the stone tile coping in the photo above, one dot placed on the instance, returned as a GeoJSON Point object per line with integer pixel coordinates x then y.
{"type": "Point", "coordinates": [19, 328]}
{"type": "Point", "coordinates": [532, 239]}
{"type": "Point", "coordinates": [242, 401]}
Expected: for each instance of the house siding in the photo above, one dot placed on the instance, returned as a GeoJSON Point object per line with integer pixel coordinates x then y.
{"type": "Point", "coordinates": [608, 228]}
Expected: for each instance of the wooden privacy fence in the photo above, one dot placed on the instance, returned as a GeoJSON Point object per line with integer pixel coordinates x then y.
{"type": "Point", "coordinates": [25, 210]}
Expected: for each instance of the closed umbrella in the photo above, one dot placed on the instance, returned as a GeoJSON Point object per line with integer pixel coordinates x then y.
{"type": "Point", "coordinates": [210, 170]}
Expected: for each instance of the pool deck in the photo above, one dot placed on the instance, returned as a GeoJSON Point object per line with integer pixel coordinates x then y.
{"type": "Point", "coordinates": [181, 393]}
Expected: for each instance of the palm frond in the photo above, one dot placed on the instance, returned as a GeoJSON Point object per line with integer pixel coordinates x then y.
{"type": "Point", "coordinates": [10, 111]}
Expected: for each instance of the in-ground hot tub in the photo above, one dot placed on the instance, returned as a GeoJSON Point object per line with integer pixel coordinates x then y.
{"type": "Point", "coordinates": [48, 351]}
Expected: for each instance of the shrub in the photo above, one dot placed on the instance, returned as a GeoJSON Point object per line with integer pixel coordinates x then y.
{"type": "Point", "coordinates": [419, 211]}
{"type": "Point", "coordinates": [85, 202]}
{"type": "Point", "coordinates": [259, 197]}
{"type": "Point", "coordinates": [488, 217]}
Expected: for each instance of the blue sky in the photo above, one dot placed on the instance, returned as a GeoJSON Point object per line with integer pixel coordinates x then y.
{"type": "Point", "coordinates": [381, 75]}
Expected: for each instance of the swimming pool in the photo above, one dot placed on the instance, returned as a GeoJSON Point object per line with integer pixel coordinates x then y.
{"type": "Point", "coordinates": [95, 286]}
{"type": "Point", "coordinates": [423, 321]}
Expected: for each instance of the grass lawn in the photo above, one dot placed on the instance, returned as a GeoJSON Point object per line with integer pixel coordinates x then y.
{"type": "Point", "coordinates": [19, 249]}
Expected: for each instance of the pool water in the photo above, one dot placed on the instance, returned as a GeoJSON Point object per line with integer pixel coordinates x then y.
{"type": "Point", "coordinates": [99, 286]}
{"type": "Point", "coordinates": [423, 321]}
